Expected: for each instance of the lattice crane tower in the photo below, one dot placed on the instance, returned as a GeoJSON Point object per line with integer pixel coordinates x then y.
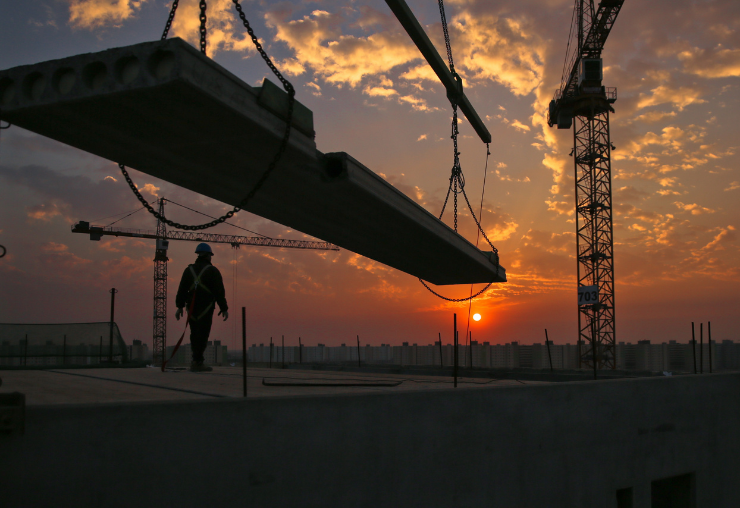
{"type": "Point", "coordinates": [582, 98]}
{"type": "Point", "coordinates": [159, 337]}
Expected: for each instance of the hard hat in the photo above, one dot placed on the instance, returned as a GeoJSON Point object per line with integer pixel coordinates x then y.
{"type": "Point", "coordinates": [203, 247]}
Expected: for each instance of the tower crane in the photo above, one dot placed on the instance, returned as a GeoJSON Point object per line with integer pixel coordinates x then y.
{"type": "Point", "coordinates": [582, 99]}
{"type": "Point", "coordinates": [163, 237]}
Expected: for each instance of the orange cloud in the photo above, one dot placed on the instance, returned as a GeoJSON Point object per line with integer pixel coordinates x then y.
{"type": "Point", "coordinates": [520, 126]}
{"type": "Point", "coordinates": [91, 14]}
{"type": "Point", "coordinates": [507, 50]}
{"type": "Point", "coordinates": [377, 91]}
{"type": "Point", "coordinates": [557, 164]}
{"type": "Point", "coordinates": [678, 97]}
{"type": "Point", "coordinates": [44, 212]}
{"type": "Point", "coordinates": [318, 44]}
{"type": "Point", "coordinates": [693, 208]}
{"type": "Point", "coordinates": [560, 207]}
{"type": "Point", "coordinates": [718, 62]}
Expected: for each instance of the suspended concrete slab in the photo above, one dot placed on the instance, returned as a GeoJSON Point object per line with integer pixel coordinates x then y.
{"type": "Point", "coordinates": [166, 110]}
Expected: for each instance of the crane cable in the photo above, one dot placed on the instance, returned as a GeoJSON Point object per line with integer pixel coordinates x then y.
{"type": "Point", "coordinates": [563, 76]}
{"type": "Point", "coordinates": [2, 248]}
{"type": "Point", "coordinates": [457, 179]}
{"type": "Point", "coordinates": [127, 215]}
{"type": "Point", "coordinates": [477, 237]}
{"type": "Point", "coordinates": [212, 217]}
{"type": "Point", "coordinates": [287, 86]}
{"type": "Point", "coordinates": [234, 281]}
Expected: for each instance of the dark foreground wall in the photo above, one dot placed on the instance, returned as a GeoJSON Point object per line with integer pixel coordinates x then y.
{"type": "Point", "coordinates": [562, 445]}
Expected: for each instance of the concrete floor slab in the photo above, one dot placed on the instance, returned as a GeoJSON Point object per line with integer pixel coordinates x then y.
{"type": "Point", "coordinates": [79, 386]}
{"type": "Point", "coordinates": [165, 109]}
{"type": "Point", "coordinates": [555, 445]}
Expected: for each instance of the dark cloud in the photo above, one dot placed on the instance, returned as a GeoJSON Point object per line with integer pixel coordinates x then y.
{"type": "Point", "coordinates": [76, 196]}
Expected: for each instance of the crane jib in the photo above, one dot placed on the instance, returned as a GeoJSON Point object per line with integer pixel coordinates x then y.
{"type": "Point", "coordinates": [96, 232]}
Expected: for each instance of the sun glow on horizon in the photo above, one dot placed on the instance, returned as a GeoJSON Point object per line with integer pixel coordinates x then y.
{"type": "Point", "coordinates": [476, 317]}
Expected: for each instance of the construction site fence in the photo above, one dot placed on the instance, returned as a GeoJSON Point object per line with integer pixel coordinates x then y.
{"type": "Point", "coordinates": [61, 344]}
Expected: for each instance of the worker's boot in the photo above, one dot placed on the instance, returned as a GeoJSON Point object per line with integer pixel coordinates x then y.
{"type": "Point", "coordinates": [199, 367]}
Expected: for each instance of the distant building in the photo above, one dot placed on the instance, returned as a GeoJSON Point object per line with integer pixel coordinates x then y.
{"type": "Point", "coordinates": [671, 356]}
{"type": "Point", "coordinates": [139, 351]}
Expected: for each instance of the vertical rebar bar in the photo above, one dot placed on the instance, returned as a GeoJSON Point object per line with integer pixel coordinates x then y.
{"type": "Point", "coordinates": [454, 326]}
{"type": "Point", "coordinates": [100, 350]}
{"type": "Point", "coordinates": [282, 354]}
{"type": "Point", "coordinates": [593, 346]}
{"type": "Point", "coordinates": [270, 352]}
{"type": "Point", "coordinates": [113, 292]}
{"type": "Point", "coordinates": [709, 344]}
{"type": "Point", "coordinates": [300, 351]}
{"type": "Point", "coordinates": [470, 346]}
{"type": "Point", "coordinates": [358, 352]}
{"type": "Point", "coordinates": [25, 352]}
{"type": "Point", "coordinates": [701, 348]}
{"type": "Point", "coordinates": [693, 344]}
{"type": "Point", "coordinates": [64, 351]}
{"type": "Point", "coordinates": [441, 360]}
{"type": "Point", "coordinates": [244, 349]}
{"type": "Point", "coordinates": [547, 343]}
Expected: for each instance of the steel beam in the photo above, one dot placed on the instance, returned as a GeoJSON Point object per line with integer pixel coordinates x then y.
{"type": "Point", "coordinates": [454, 89]}
{"type": "Point", "coordinates": [165, 109]}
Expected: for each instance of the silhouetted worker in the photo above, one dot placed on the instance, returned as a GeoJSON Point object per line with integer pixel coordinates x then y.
{"type": "Point", "coordinates": [201, 287]}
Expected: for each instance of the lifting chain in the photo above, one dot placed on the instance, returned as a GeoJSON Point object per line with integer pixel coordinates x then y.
{"type": "Point", "coordinates": [203, 26]}
{"type": "Point", "coordinates": [170, 19]}
{"type": "Point", "coordinates": [202, 18]}
{"type": "Point", "coordinates": [273, 164]}
{"type": "Point", "coordinates": [447, 35]}
{"type": "Point", "coordinates": [457, 179]}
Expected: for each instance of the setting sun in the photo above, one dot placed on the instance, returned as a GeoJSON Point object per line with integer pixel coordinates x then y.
{"type": "Point", "coordinates": [476, 317]}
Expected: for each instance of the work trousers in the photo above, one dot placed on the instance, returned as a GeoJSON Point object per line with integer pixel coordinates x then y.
{"type": "Point", "coordinates": [199, 332]}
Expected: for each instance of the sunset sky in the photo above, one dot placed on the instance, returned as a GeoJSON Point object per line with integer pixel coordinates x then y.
{"type": "Point", "coordinates": [676, 180]}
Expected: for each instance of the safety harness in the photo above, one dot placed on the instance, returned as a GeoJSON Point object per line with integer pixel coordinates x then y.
{"type": "Point", "coordinates": [191, 308]}
{"type": "Point", "coordinates": [194, 287]}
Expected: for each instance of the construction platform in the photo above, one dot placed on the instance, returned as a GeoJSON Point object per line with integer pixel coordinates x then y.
{"type": "Point", "coordinates": [167, 110]}
{"type": "Point", "coordinates": [93, 386]}
{"type": "Point", "coordinates": [147, 439]}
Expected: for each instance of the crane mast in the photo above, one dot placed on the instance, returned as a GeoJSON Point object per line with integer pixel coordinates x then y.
{"type": "Point", "coordinates": [159, 335]}
{"type": "Point", "coordinates": [163, 237]}
{"type": "Point", "coordinates": [582, 102]}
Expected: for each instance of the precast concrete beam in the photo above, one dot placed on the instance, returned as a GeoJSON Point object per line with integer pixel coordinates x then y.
{"type": "Point", "coordinates": [165, 109]}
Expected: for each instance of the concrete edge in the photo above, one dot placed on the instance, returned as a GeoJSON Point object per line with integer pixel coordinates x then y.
{"type": "Point", "coordinates": [60, 408]}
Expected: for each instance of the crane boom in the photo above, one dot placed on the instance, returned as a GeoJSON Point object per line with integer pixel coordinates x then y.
{"type": "Point", "coordinates": [590, 45]}
{"type": "Point", "coordinates": [96, 232]}
{"type": "Point", "coordinates": [593, 43]}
